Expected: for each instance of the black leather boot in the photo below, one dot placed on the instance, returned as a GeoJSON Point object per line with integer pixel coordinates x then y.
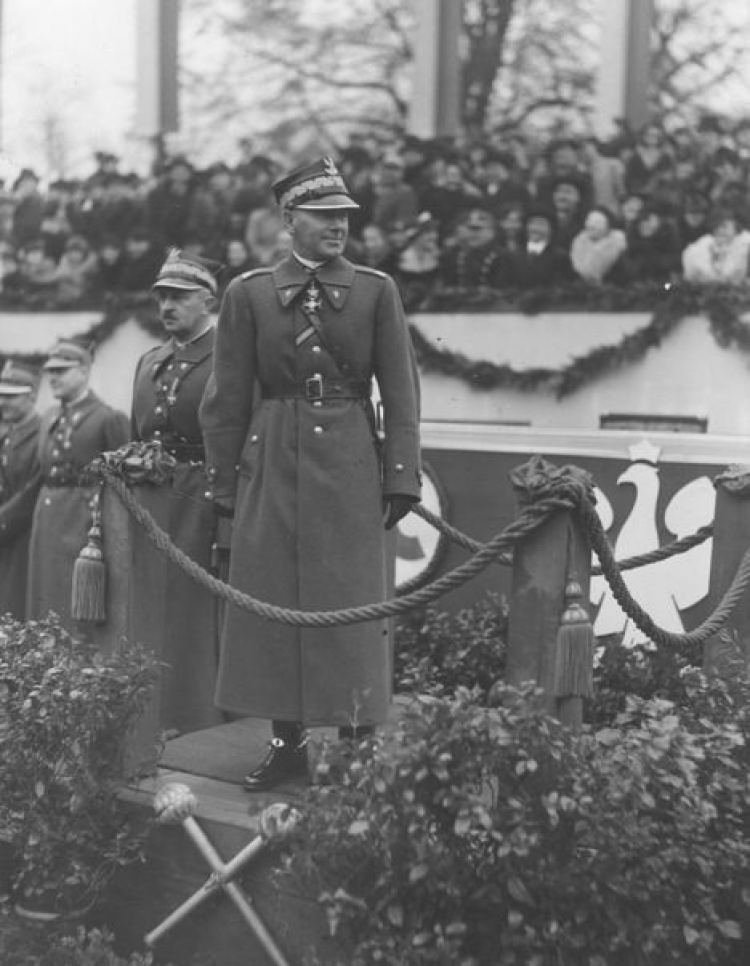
{"type": "Point", "coordinates": [284, 761]}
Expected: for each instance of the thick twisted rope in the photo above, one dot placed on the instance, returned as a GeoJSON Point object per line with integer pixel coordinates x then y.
{"type": "Point", "coordinates": [530, 518]}
{"type": "Point", "coordinates": [643, 621]}
{"type": "Point", "coordinates": [630, 563]}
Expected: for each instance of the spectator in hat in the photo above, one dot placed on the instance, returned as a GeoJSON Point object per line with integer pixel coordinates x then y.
{"type": "Point", "coordinates": [77, 271]}
{"type": "Point", "coordinates": [563, 164]}
{"type": "Point", "coordinates": [567, 201]}
{"type": "Point", "coordinates": [500, 185]}
{"type": "Point", "coordinates": [720, 256]}
{"type": "Point", "coordinates": [511, 220]}
{"type": "Point", "coordinates": [693, 218]}
{"type": "Point", "coordinates": [447, 195]}
{"type": "Point", "coordinates": [73, 432]}
{"type": "Point", "coordinates": [598, 247]}
{"type": "Point", "coordinates": [294, 459]}
{"type": "Point", "coordinates": [476, 261]}
{"type": "Point", "coordinates": [19, 480]}
{"type": "Point", "coordinates": [654, 249]}
{"type": "Point", "coordinates": [651, 162]}
{"type": "Point", "coordinates": [141, 259]}
{"type": "Point", "coordinates": [607, 172]}
{"type": "Point", "coordinates": [168, 386]}
{"type": "Point", "coordinates": [541, 263]}
{"type": "Point", "coordinates": [110, 262]}
{"type": "Point", "coordinates": [38, 272]}
{"type": "Point", "coordinates": [12, 283]}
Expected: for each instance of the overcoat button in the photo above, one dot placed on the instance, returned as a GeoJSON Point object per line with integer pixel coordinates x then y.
{"type": "Point", "coordinates": [316, 349]}
{"type": "Point", "coordinates": [399, 467]}
{"type": "Point", "coordinates": [253, 439]}
{"type": "Point", "coordinates": [318, 429]}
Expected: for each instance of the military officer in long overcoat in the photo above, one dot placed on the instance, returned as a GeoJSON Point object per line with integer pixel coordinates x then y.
{"type": "Point", "coordinates": [74, 431]}
{"type": "Point", "coordinates": [293, 453]}
{"type": "Point", "coordinates": [19, 480]}
{"type": "Point", "coordinates": [169, 383]}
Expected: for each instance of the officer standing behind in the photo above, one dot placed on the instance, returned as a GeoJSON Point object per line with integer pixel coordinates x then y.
{"type": "Point", "coordinates": [293, 454]}
{"type": "Point", "coordinates": [169, 384]}
{"type": "Point", "coordinates": [19, 481]}
{"type": "Point", "coordinates": [73, 432]}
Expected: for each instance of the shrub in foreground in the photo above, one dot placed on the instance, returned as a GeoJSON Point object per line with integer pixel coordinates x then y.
{"type": "Point", "coordinates": [485, 836]}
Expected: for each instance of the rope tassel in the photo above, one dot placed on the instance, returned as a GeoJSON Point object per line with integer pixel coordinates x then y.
{"type": "Point", "coordinates": [574, 651]}
{"type": "Point", "coordinates": [89, 590]}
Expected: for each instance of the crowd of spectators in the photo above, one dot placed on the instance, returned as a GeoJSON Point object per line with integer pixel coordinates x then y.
{"type": "Point", "coordinates": [505, 213]}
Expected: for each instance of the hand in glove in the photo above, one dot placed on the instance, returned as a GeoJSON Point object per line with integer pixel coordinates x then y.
{"type": "Point", "coordinates": [395, 508]}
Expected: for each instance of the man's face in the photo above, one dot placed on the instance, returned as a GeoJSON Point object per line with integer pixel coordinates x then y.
{"type": "Point", "coordinates": [14, 408]}
{"type": "Point", "coordinates": [538, 230]}
{"type": "Point", "coordinates": [566, 197]}
{"type": "Point", "coordinates": [317, 233]}
{"type": "Point", "coordinates": [184, 313]}
{"type": "Point", "coordinates": [68, 383]}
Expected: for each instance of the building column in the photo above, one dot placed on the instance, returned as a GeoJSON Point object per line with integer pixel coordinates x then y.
{"type": "Point", "coordinates": [157, 94]}
{"type": "Point", "coordinates": [625, 67]}
{"type": "Point", "coordinates": [434, 110]}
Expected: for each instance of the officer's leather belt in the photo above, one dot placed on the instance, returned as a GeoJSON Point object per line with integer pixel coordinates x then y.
{"type": "Point", "coordinates": [318, 389]}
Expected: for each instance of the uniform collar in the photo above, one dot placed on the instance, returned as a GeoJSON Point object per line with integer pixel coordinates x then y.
{"type": "Point", "coordinates": [193, 351]}
{"type": "Point", "coordinates": [335, 277]}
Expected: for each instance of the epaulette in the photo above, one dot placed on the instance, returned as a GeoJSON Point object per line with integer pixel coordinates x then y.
{"type": "Point", "coordinates": [370, 271]}
{"type": "Point", "coordinates": [256, 271]}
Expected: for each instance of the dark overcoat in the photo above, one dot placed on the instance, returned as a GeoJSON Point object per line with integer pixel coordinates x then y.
{"type": "Point", "coordinates": [168, 387]}
{"type": "Point", "coordinates": [309, 484]}
{"type": "Point", "coordinates": [19, 487]}
{"type": "Point", "coordinates": [69, 439]}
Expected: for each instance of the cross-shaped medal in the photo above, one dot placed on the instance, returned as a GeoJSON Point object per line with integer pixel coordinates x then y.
{"type": "Point", "coordinates": [312, 300]}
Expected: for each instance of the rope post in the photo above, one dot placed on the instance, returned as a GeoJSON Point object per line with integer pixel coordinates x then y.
{"type": "Point", "coordinates": [126, 617]}
{"type": "Point", "coordinates": [724, 651]}
{"type": "Point", "coordinates": [544, 563]}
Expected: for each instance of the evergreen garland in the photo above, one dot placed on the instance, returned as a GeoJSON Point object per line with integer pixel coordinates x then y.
{"type": "Point", "coordinates": [723, 306]}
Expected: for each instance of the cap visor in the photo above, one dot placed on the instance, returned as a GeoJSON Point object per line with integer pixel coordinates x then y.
{"type": "Point", "coordinates": [329, 203]}
{"type": "Point", "coordinates": [60, 364]}
{"type": "Point", "coordinates": [178, 283]}
{"type": "Point", "coordinates": [8, 389]}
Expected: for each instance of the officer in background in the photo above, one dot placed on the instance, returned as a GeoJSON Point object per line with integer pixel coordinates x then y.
{"type": "Point", "coordinates": [169, 384]}
{"type": "Point", "coordinates": [74, 431]}
{"type": "Point", "coordinates": [294, 456]}
{"type": "Point", "coordinates": [19, 480]}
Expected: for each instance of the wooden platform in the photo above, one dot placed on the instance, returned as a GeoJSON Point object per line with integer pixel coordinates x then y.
{"type": "Point", "coordinates": [212, 763]}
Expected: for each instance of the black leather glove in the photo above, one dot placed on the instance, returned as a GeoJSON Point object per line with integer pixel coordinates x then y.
{"type": "Point", "coordinates": [396, 506]}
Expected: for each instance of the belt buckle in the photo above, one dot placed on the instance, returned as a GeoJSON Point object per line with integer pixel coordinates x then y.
{"type": "Point", "coordinates": [314, 387]}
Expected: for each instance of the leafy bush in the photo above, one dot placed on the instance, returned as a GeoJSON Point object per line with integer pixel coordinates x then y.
{"type": "Point", "coordinates": [491, 836]}
{"type": "Point", "coordinates": [67, 711]}
{"type": "Point", "coordinates": [22, 944]}
{"type": "Point", "coordinates": [437, 653]}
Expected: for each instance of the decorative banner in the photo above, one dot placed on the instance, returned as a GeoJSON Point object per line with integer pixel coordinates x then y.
{"type": "Point", "coordinates": [419, 546]}
{"type": "Point", "coordinates": [668, 587]}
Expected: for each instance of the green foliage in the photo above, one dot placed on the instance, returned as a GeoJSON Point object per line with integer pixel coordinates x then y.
{"type": "Point", "coordinates": [437, 653]}
{"type": "Point", "coordinates": [67, 712]}
{"type": "Point", "coordinates": [491, 836]}
{"type": "Point", "coordinates": [22, 944]}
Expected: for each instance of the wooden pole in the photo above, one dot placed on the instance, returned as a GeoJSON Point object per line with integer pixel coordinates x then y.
{"type": "Point", "coordinates": [542, 565]}
{"type": "Point", "coordinates": [727, 651]}
{"type": "Point", "coordinates": [128, 552]}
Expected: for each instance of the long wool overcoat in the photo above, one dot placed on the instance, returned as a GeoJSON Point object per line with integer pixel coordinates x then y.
{"type": "Point", "coordinates": [183, 624]}
{"type": "Point", "coordinates": [309, 482]}
{"type": "Point", "coordinates": [69, 439]}
{"type": "Point", "coordinates": [19, 487]}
